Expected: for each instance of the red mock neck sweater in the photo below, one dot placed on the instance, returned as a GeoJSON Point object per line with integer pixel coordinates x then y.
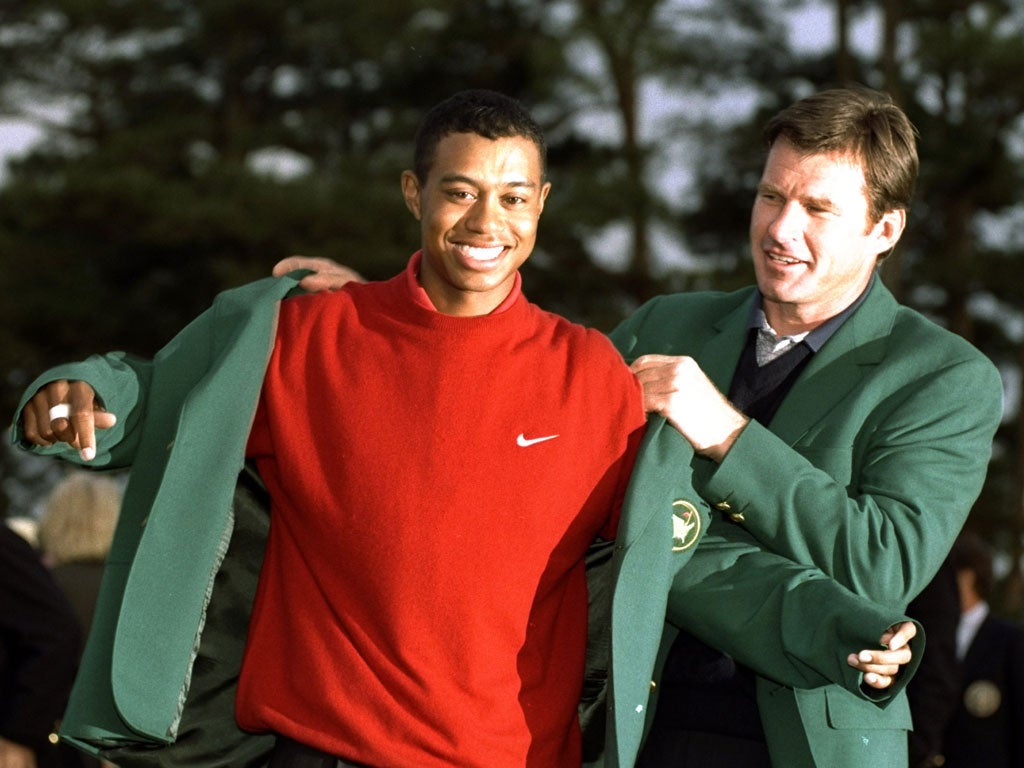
{"type": "Point", "coordinates": [435, 481]}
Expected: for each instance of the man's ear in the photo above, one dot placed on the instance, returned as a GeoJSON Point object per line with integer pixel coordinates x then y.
{"type": "Point", "coordinates": [890, 228]}
{"type": "Point", "coordinates": [544, 190]}
{"type": "Point", "coordinates": [411, 193]}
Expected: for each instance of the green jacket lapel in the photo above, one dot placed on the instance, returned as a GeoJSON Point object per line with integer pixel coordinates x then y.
{"type": "Point", "coordinates": [721, 352]}
{"type": "Point", "coordinates": [839, 366]}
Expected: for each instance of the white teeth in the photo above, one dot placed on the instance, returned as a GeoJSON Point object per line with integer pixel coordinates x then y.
{"type": "Point", "coordinates": [483, 254]}
{"type": "Point", "coordinates": [784, 260]}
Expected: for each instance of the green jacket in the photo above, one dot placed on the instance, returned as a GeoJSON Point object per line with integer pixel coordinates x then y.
{"type": "Point", "coordinates": [867, 472]}
{"type": "Point", "coordinates": [157, 681]}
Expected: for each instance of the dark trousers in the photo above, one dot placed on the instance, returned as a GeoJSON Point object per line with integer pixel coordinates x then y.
{"type": "Point", "coordinates": [291, 754]}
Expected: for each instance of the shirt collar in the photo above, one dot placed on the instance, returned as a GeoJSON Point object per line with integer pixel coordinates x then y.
{"type": "Point", "coordinates": [970, 621]}
{"type": "Point", "coordinates": [420, 297]}
{"type": "Point", "coordinates": [816, 338]}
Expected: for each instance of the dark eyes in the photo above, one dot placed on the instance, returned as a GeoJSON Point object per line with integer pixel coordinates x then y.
{"type": "Point", "coordinates": [466, 195]}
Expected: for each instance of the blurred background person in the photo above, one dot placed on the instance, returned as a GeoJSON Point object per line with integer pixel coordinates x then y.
{"type": "Point", "coordinates": [987, 728]}
{"type": "Point", "coordinates": [40, 640]}
{"type": "Point", "coordinates": [75, 530]}
{"type": "Point", "coordinates": [935, 689]}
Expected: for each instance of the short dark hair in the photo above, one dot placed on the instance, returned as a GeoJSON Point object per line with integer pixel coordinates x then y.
{"type": "Point", "coordinates": [864, 124]}
{"type": "Point", "coordinates": [486, 113]}
{"type": "Point", "coordinates": [971, 553]}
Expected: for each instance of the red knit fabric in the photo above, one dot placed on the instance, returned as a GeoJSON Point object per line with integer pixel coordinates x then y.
{"type": "Point", "coordinates": [422, 602]}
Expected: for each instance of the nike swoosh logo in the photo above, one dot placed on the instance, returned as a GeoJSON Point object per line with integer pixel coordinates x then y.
{"type": "Point", "coordinates": [522, 442]}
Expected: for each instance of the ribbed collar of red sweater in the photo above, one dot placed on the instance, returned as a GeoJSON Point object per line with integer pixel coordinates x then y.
{"type": "Point", "coordinates": [420, 296]}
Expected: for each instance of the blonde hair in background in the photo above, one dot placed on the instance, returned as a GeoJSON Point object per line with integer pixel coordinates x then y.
{"type": "Point", "coordinates": [78, 519]}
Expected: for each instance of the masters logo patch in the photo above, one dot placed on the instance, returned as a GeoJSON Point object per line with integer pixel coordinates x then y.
{"type": "Point", "coordinates": [685, 525]}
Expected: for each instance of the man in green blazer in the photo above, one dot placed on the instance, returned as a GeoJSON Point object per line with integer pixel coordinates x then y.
{"type": "Point", "coordinates": [830, 425]}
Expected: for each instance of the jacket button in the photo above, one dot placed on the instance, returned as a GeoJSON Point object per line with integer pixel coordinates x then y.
{"type": "Point", "coordinates": [723, 506]}
{"type": "Point", "coordinates": [737, 517]}
{"type": "Point", "coordinates": [653, 685]}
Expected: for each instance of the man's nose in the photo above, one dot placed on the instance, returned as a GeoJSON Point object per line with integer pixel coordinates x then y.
{"type": "Point", "coordinates": [788, 224]}
{"type": "Point", "coordinates": [484, 215]}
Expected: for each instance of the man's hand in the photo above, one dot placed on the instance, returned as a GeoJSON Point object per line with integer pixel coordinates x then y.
{"type": "Point", "coordinates": [679, 390]}
{"type": "Point", "coordinates": [14, 755]}
{"type": "Point", "coordinates": [880, 667]}
{"type": "Point", "coordinates": [65, 411]}
{"type": "Point", "coordinates": [327, 275]}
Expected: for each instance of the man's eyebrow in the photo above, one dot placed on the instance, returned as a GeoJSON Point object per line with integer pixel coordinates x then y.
{"type": "Point", "coordinates": [809, 201]}
{"type": "Point", "coordinates": [449, 178]}
{"type": "Point", "coordinates": [821, 203]}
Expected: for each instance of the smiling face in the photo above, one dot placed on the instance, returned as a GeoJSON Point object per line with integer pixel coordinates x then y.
{"type": "Point", "coordinates": [813, 245]}
{"type": "Point", "coordinates": [478, 210]}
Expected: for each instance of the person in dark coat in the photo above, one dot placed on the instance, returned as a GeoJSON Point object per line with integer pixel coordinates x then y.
{"type": "Point", "coordinates": [988, 725]}
{"type": "Point", "coordinates": [39, 646]}
{"type": "Point", "coordinates": [935, 689]}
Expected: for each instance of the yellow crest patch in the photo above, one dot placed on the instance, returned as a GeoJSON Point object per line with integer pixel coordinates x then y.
{"type": "Point", "coordinates": [685, 525]}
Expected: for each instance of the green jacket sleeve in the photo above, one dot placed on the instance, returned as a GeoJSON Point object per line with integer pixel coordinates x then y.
{"type": "Point", "coordinates": [788, 622]}
{"type": "Point", "coordinates": [877, 509]}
